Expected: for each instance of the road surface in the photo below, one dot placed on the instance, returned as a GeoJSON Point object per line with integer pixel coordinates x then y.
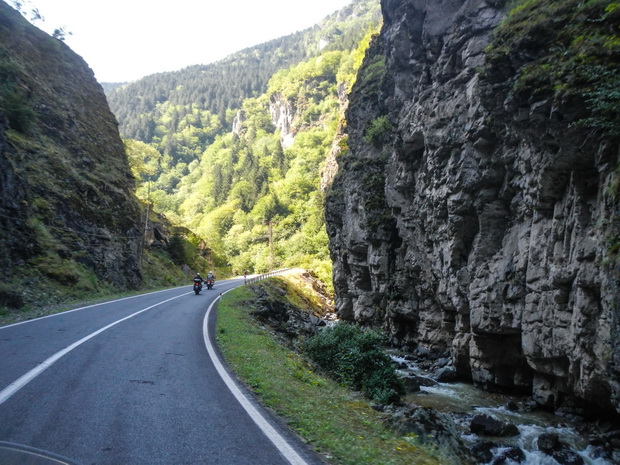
{"type": "Point", "coordinates": [135, 381]}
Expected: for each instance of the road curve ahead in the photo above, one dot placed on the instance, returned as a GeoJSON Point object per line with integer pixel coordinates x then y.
{"type": "Point", "coordinates": [132, 381]}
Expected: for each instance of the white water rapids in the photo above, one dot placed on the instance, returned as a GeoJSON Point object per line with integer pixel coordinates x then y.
{"type": "Point", "coordinates": [462, 398]}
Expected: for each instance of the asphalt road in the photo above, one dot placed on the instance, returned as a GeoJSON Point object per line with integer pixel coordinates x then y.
{"type": "Point", "coordinates": [135, 381]}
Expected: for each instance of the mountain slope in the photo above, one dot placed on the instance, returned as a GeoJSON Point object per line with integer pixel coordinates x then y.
{"type": "Point", "coordinates": [224, 85]}
{"type": "Point", "coordinates": [249, 181]}
{"type": "Point", "coordinates": [69, 215]}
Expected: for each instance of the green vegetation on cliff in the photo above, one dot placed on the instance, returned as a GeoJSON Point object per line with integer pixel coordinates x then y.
{"type": "Point", "coordinates": [70, 221]}
{"type": "Point", "coordinates": [576, 49]}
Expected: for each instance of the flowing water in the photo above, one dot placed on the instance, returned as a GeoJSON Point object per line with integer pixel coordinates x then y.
{"type": "Point", "coordinates": [463, 401]}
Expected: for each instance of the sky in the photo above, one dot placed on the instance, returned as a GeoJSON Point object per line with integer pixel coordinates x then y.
{"type": "Point", "coordinates": [125, 40]}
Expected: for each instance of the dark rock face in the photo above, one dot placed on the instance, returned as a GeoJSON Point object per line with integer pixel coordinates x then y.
{"type": "Point", "coordinates": [287, 322]}
{"type": "Point", "coordinates": [467, 218]}
{"type": "Point", "coordinates": [65, 186]}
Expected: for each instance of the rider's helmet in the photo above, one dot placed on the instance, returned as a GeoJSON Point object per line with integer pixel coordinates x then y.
{"type": "Point", "coordinates": [197, 274]}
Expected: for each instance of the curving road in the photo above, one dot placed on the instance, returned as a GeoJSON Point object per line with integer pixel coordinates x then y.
{"type": "Point", "coordinates": [135, 381]}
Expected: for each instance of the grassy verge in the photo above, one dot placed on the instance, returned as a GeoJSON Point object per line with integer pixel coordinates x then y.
{"type": "Point", "coordinates": [338, 423]}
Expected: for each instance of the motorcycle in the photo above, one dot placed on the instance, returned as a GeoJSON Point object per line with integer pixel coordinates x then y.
{"type": "Point", "coordinates": [209, 283]}
{"type": "Point", "coordinates": [197, 286]}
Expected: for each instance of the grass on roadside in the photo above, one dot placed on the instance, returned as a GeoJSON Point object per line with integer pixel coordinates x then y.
{"type": "Point", "coordinates": [10, 316]}
{"type": "Point", "coordinates": [338, 423]}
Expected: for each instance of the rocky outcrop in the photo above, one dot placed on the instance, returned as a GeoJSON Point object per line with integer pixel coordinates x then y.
{"type": "Point", "coordinates": [475, 218]}
{"type": "Point", "coordinates": [283, 114]}
{"type": "Point", "coordinates": [66, 202]}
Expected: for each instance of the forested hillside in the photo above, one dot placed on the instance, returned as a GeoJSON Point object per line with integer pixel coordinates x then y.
{"type": "Point", "coordinates": [234, 150]}
{"type": "Point", "coordinates": [224, 85]}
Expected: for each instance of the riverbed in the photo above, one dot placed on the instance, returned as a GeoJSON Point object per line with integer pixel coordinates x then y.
{"type": "Point", "coordinates": [463, 401]}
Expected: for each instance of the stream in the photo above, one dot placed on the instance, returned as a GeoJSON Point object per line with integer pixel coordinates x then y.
{"type": "Point", "coordinates": [463, 401]}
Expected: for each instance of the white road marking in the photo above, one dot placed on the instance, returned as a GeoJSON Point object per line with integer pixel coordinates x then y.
{"type": "Point", "coordinates": [84, 308]}
{"type": "Point", "coordinates": [41, 367]}
{"type": "Point", "coordinates": [276, 438]}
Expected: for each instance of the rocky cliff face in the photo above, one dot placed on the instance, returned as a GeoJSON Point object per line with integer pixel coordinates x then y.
{"type": "Point", "coordinates": [283, 113]}
{"type": "Point", "coordinates": [66, 205]}
{"type": "Point", "coordinates": [471, 215]}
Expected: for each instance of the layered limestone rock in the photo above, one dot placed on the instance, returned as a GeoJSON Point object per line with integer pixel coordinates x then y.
{"type": "Point", "coordinates": [469, 219]}
{"type": "Point", "coordinates": [66, 191]}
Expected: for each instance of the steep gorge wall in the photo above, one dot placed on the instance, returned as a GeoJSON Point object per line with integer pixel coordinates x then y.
{"type": "Point", "coordinates": [66, 203]}
{"type": "Point", "coordinates": [474, 220]}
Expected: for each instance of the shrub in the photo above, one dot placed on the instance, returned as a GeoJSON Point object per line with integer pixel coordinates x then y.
{"type": "Point", "coordinates": [178, 250]}
{"type": "Point", "coordinates": [354, 357]}
{"type": "Point", "coordinates": [377, 130]}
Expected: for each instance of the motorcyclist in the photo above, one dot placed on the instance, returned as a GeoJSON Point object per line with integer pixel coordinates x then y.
{"type": "Point", "coordinates": [198, 278]}
{"type": "Point", "coordinates": [210, 276]}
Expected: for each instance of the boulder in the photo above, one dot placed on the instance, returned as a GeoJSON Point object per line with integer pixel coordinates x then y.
{"type": "Point", "coordinates": [509, 455]}
{"type": "Point", "coordinates": [446, 374]}
{"type": "Point", "coordinates": [482, 451]}
{"type": "Point", "coordinates": [488, 426]}
{"type": "Point", "coordinates": [548, 443]}
{"type": "Point", "coordinates": [568, 457]}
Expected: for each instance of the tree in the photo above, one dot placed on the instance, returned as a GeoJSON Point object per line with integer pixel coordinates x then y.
{"type": "Point", "coordinates": [177, 250]}
{"type": "Point", "coordinates": [61, 33]}
{"type": "Point", "coordinates": [144, 159]}
{"type": "Point", "coordinates": [268, 208]}
{"type": "Point", "coordinates": [34, 16]}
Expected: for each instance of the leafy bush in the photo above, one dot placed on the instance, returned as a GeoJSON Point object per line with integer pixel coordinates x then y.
{"type": "Point", "coordinates": [354, 357]}
{"type": "Point", "coordinates": [377, 130]}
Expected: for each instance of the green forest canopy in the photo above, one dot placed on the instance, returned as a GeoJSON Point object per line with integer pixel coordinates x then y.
{"type": "Point", "coordinates": [254, 198]}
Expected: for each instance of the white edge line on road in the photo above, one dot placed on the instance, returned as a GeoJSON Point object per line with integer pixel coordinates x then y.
{"type": "Point", "coordinates": [41, 367]}
{"type": "Point", "coordinates": [276, 438]}
{"type": "Point", "coordinates": [84, 308]}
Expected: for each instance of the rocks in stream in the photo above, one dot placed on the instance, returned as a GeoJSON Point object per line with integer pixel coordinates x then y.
{"type": "Point", "coordinates": [414, 382]}
{"type": "Point", "coordinates": [510, 453]}
{"type": "Point", "coordinates": [496, 454]}
{"type": "Point", "coordinates": [446, 431]}
{"type": "Point", "coordinates": [429, 426]}
{"type": "Point", "coordinates": [550, 444]}
{"type": "Point", "coordinates": [446, 374]}
{"type": "Point", "coordinates": [483, 451]}
{"type": "Point", "coordinates": [487, 452]}
{"type": "Point", "coordinates": [486, 425]}
{"type": "Point", "coordinates": [568, 457]}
